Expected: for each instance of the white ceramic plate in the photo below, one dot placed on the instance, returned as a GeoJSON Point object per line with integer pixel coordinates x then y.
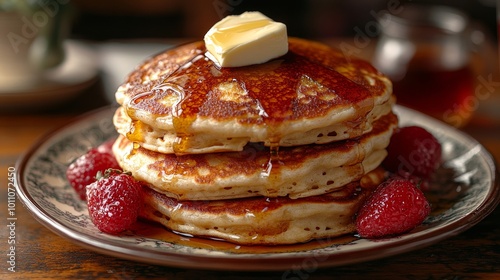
{"type": "Point", "coordinates": [42, 187]}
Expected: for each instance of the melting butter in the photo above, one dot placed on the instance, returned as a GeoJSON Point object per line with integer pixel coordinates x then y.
{"type": "Point", "coordinates": [246, 39]}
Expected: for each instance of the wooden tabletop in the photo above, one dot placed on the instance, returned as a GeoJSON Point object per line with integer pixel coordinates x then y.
{"type": "Point", "coordinates": [41, 254]}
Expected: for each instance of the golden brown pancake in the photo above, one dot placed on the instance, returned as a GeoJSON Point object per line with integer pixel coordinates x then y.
{"type": "Point", "coordinates": [299, 171]}
{"type": "Point", "coordinates": [312, 90]}
{"type": "Point", "coordinates": [164, 141]}
{"type": "Point", "coordinates": [276, 153]}
{"type": "Point", "coordinates": [262, 220]}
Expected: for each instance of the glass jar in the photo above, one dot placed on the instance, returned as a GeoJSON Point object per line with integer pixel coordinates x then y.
{"type": "Point", "coordinates": [425, 51]}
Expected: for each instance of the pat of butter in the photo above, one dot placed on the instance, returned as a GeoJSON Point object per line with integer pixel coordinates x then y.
{"type": "Point", "coordinates": [250, 38]}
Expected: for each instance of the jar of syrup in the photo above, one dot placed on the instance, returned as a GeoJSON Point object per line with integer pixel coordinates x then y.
{"type": "Point", "coordinates": [425, 51]}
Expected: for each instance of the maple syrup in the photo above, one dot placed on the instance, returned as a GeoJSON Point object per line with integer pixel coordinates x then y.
{"type": "Point", "coordinates": [155, 231]}
{"type": "Point", "coordinates": [442, 94]}
{"type": "Point", "coordinates": [425, 50]}
{"type": "Point", "coordinates": [273, 89]}
{"type": "Point", "coordinates": [274, 101]}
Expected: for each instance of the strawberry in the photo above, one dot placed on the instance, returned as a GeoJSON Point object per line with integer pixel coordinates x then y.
{"type": "Point", "coordinates": [83, 170]}
{"type": "Point", "coordinates": [114, 201]}
{"type": "Point", "coordinates": [413, 151]}
{"type": "Point", "coordinates": [395, 207]}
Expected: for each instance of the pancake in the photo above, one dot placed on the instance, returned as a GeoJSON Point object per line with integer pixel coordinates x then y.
{"type": "Point", "coordinates": [280, 152]}
{"type": "Point", "coordinates": [299, 171]}
{"type": "Point", "coordinates": [179, 101]}
{"type": "Point", "coordinates": [261, 220]}
{"type": "Point", "coordinates": [163, 141]}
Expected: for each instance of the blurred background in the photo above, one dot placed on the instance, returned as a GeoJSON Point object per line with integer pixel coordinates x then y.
{"type": "Point", "coordinates": [63, 47]}
{"type": "Point", "coordinates": [334, 21]}
{"type": "Point", "coordinates": [101, 20]}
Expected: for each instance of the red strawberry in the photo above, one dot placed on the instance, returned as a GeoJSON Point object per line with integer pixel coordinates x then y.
{"type": "Point", "coordinates": [395, 207]}
{"type": "Point", "coordinates": [114, 201]}
{"type": "Point", "coordinates": [413, 150]}
{"type": "Point", "coordinates": [82, 172]}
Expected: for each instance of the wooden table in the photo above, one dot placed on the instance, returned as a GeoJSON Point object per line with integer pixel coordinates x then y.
{"type": "Point", "coordinates": [41, 254]}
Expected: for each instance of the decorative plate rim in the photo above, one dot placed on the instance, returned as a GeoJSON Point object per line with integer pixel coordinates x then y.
{"type": "Point", "coordinates": [267, 261]}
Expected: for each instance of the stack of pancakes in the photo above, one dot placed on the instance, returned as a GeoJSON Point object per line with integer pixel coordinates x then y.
{"type": "Point", "coordinates": [275, 153]}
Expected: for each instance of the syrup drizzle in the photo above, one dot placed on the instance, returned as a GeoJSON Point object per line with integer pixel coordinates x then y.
{"type": "Point", "coordinates": [275, 93]}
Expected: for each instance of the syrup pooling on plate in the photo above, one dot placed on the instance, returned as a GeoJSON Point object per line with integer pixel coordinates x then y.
{"type": "Point", "coordinates": [158, 232]}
